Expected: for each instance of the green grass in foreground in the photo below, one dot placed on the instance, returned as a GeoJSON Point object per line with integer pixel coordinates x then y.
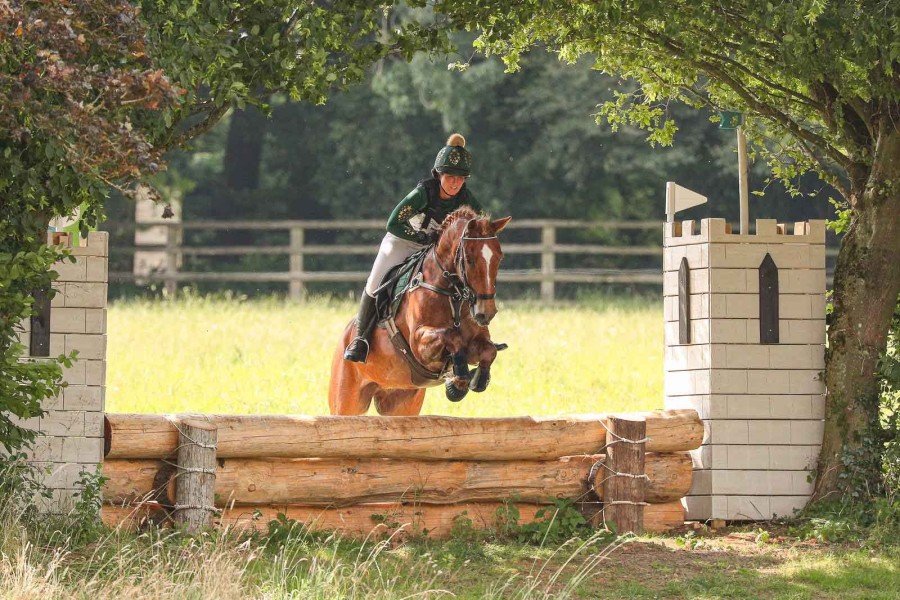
{"type": "Point", "coordinates": [39, 561]}
{"type": "Point", "coordinates": [269, 356]}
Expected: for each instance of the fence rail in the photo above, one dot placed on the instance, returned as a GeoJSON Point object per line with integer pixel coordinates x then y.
{"type": "Point", "coordinates": [298, 274]}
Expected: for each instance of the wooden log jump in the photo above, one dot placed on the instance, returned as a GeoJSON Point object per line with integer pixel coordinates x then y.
{"type": "Point", "coordinates": [426, 470]}
{"type": "Point", "coordinates": [423, 437]}
{"type": "Point", "coordinates": [337, 482]}
{"type": "Point", "coordinates": [435, 520]}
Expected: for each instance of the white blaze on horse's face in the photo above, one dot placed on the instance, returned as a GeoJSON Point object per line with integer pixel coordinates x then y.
{"type": "Point", "coordinates": [485, 309]}
{"type": "Point", "coordinates": [487, 253]}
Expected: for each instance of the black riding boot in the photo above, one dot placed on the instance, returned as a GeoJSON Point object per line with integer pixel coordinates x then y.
{"type": "Point", "coordinates": [358, 349]}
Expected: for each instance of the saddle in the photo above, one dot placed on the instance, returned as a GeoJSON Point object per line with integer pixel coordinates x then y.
{"type": "Point", "coordinates": [395, 284]}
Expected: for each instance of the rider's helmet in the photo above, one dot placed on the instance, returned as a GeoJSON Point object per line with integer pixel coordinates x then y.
{"type": "Point", "coordinates": [453, 158]}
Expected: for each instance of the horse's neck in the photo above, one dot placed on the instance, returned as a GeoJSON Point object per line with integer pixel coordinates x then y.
{"type": "Point", "coordinates": [442, 257]}
{"type": "Point", "coordinates": [445, 249]}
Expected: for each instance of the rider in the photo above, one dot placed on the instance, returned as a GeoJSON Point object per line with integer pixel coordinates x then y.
{"type": "Point", "coordinates": [414, 224]}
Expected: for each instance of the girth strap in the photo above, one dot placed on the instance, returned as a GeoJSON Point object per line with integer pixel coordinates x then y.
{"type": "Point", "coordinates": [419, 373]}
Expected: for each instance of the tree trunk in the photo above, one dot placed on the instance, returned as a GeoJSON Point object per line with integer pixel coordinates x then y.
{"type": "Point", "coordinates": [866, 286]}
{"type": "Point", "coordinates": [624, 479]}
{"type": "Point", "coordinates": [241, 167]}
{"type": "Point", "coordinates": [243, 150]}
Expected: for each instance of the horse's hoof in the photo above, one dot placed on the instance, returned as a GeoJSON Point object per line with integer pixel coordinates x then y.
{"type": "Point", "coordinates": [480, 380]}
{"type": "Point", "coordinates": [454, 394]}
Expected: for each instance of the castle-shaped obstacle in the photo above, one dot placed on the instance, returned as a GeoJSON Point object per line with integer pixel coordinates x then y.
{"type": "Point", "coordinates": [744, 346]}
{"type": "Point", "coordinates": [70, 434]}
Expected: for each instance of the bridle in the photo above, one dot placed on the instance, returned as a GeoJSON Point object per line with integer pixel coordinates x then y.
{"type": "Point", "coordinates": [459, 290]}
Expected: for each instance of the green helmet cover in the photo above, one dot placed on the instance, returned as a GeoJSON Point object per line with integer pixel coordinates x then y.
{"type": "Point", "coordinates": [453, 160]}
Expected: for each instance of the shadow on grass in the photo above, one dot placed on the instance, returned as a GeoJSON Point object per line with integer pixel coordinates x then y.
{"type": "Point", "coordinates": [745, 570]}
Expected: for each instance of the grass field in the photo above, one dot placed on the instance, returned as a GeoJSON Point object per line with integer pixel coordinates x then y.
{"type": "Point", "coordinates": [217, 355]}
{"type": "Point", "coordinates": [39, 562]}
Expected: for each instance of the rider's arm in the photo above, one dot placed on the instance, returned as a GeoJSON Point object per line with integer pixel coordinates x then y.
{"type": "Point", "coordinates": [414, 204]}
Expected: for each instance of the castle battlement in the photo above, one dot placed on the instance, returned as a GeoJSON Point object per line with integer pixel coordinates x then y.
{"type": "Point", "coordinates": [768, 231]}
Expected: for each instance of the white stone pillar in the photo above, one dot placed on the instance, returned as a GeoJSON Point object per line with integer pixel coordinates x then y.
{"type": "Point", "coordinates": [762, 404]}
{"type": "Point", "coordinates": [70, 435]}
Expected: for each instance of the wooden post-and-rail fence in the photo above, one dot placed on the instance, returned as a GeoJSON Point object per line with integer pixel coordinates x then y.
{"type": "Point", "coordinates": [167, 251]}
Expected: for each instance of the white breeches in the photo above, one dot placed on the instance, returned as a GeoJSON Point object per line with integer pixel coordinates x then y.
{"type": "Point", "coordinates": [393, 251]}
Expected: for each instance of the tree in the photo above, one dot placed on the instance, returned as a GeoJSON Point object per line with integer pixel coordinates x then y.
{"type": "Point", "coordinates": [72, 83]}
{"type": "Point", "coordinates": [819, 82]}
{"type": "Point", "coordinates": [94, 92]}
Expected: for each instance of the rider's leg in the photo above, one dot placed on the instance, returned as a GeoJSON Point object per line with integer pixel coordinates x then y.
{"type": "Point", "coordinates": [358, 349]}
{"type": "Point", "coordinates": [393, 251]}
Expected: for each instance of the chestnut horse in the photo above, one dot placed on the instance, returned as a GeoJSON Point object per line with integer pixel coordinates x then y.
{"type": "Point", "coordinates": [464, 263]}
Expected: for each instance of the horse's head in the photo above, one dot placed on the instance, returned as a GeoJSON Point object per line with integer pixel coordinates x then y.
{"type": "Point", "coordinates": [473, 243]}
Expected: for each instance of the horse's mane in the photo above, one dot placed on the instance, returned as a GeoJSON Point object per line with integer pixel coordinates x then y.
{"type": "Point", "coordinates": [446, 242]}
{"type": "Point", "coordinates": [463, 212]}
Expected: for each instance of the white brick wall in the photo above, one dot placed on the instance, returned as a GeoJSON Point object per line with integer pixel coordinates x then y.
{"type": "Point", "coordinates": [70, 434]}
{"type": "Point", "coordinates": [762, 404]}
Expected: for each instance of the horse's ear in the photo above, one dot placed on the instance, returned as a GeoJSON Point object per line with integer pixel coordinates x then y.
{"type": "Point", "coordinates": [499, 224]}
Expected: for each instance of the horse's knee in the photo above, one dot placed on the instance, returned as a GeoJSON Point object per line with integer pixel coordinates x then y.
{"type": "Point", "coordinates": [482, 352]}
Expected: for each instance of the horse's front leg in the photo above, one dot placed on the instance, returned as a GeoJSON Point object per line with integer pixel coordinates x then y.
{"type": "Point", "coordinates": [481, 351]}
{"type": "Point", "coordinates": [433, 342]}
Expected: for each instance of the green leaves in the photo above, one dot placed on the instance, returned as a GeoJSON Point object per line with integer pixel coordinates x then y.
{"type": "Point", "coordinates": [93, 93]}
{"type": "Point", "coordinates": [804, 72]}
{"type": "Point", "coordinates": [24, 384]}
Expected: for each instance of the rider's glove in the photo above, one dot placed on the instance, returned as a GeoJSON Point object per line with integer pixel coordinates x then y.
{"type": "Point", "coordinates": [426, 238]}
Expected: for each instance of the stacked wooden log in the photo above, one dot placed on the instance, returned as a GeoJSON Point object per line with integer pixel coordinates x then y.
{"type": "Point", "coordinates": [355, 474]}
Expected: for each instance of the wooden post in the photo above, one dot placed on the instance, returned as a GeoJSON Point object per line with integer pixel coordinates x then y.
{"type": "Point", "coordinates": [548, 263]}
{"type": "Point", "coordinates": [173, 257]}
{"type": "Point", "coordinates": [297, 290]}
{"type": "Point", "coordinates": [624, 480]}
{"type": "Point", "coordinates": [743, 181]}
{"type": "Point", "coordinates": [195, 485]}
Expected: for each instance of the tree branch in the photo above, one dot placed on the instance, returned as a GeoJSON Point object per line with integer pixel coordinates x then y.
{"type": "Point", "coordinates": [763, 108]}
{"type": "Point", "coordinates": [199, 128]}
{"type": "Point", "coordinates": [858, 128]}
{"type": "Point", "coordinates": [789, 93]}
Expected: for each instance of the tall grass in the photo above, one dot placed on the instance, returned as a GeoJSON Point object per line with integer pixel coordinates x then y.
{"type": "Point", "coordinates": [39, 562]}
{"type": "Point", "coordinates": [270, 356]}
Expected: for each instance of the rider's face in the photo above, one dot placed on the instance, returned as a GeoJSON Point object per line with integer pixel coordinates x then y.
{"type": "Point", "coordinates": [451, 184]}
